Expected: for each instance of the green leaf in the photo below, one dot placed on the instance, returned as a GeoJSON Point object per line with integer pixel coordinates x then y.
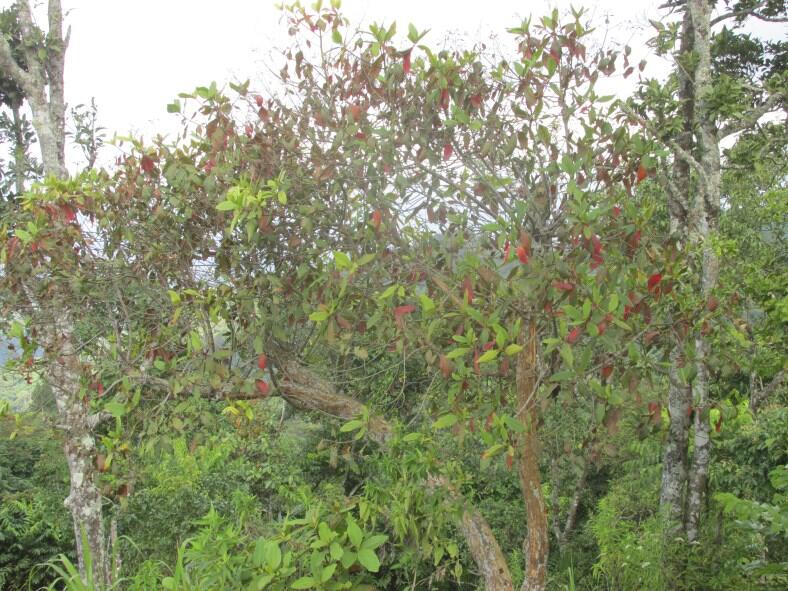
{"type": "Point", "coordinates": [390, 291]}
{"type": "Point", "coordinates": [336, 36]}
{"type": "Point", "coordinates": [174, 107]}
{"type": "Point", "coordinates": [513, 424]}
{"type": "Point", "coordinates": [562, 376]}
{"type": "Point", "coordinates": [413, 33]}
{"type": "Point", "coordinates": [336, 551]}
{"type": "Point", "coordinates": [328, 572]}
{"type": "Point", "coordinates": [367, 258]}
{"type": "Point", "coordinates": [458, 352]}
{"type": "Point", "coordinates": [226, 205]}
{"type": "Point", "coordinates": [427, 305]}
{"type": "Point", "coordinates": [273, 555]}
{"type": "Point", "coordinates": [513, 349]}
{"type": "Point", "coordinates": [445, 421]}
{"type": "Point", "coordinates": [348, 559]}
{"type": "Point", "coordinates": [351, 426]}
{"type": "Point", "coordinates": [354, 532]}
{"type": "Point", "coordinates": [369, 560]}
{"type": "Point", "coordinates": [488, 356]}
{"type": "Point", "coordinates": [175, 297]}
{"type": "Point", "coordinates": [303, 583]}
{"type": "Point", "coordinates": [116, 409]}
{"type": "Point", "coordinates": [567, 355]}
{"type": "Point", "coordinates": [341, 260]}
{"type": "Point", "coordinates": [612, 305]}
{"type": "Point", "coordinates": [374, 542]}
{"type": "Point", "coordinates": [318, 315]}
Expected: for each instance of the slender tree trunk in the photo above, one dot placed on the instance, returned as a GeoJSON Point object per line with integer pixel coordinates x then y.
{"type": "Point", "coordinates": [19, 152]}
{"type": "Point", "coordinates": [707, 204]}
{"type": "Point", "coordinates": [675, 455]}
{"type": "Point", "coordinates": [674, 459]}
{"type": "Point", "coordinates": [536, 546]}
{"type": "Point", "coordinates": [84, 500]}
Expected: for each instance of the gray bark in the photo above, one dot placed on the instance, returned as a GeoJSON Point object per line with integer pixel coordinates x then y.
{"type": "Point", "coordinates": [706, 220]}
{"type": "Point", "coordinates": [674, 460]}
{"type": "Point", "coordinates": [43, 85]}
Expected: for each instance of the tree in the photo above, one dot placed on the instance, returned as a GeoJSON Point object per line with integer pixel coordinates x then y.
{"type": "Point", "coordinates": [372, 205]}
{"type": "Point", "coordinates": [713, 100]}
{"type": "Point", "coordinates": [35, 65]}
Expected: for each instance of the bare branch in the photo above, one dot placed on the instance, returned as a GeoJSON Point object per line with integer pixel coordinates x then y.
{"type": "Point", "coordinates": [757, 399]}
{"type": "Point", "coordinates": [751, 117]}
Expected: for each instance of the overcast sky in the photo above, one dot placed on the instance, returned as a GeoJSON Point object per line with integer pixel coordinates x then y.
{"type": "Point", "coordinates": [135, 56]}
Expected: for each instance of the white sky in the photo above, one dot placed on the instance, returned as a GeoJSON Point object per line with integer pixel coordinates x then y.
{"type": "Point", "coordinates": [135, 56]}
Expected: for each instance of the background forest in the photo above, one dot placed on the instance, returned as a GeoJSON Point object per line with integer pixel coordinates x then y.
{"type": "Point", "coordinates": [412, 318]}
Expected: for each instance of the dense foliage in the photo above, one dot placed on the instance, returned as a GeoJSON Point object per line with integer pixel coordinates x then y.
{"type": "Point", "coordinates": [411, 319]}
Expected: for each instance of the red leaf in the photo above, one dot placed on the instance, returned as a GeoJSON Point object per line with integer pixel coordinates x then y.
{"type": "Point", "coordinates": [596, 243]}
{"type": "Point", "coordinates": [488, 346]}
{"type": "Point", "coordinates": [607, 370]}
{"type": "Point", "coordinates": [445, 366]}
{"type": "Point", "coordinates": [642, 173]}
{"type": "Point", "coordinates": [262, 387]}
{"type": "Point", "coordinates": [355, 112]}
{"type": "Point", "coordinates": [444, 99]}
{"type": "Point", "coordinates": [616, 211]}
{"type": "Point", "coordinates": [147, 164]}
{"type": "Point", "coordinates": [596, 260]}
{"type": "Point", "coordinates": [209, 165]}
{"type": "Point", "coordinates": [13, 244]}
{"type": "Point", "coordinates": [258, 100]}
{"type": "Point", "coordinates": [401, 311]}
{"type": "Point", "coordinates": [506, 251]}
{"type": "Point", "coordinates": [573, 335]}
{"type": "Point", "coordinates": [447, 151]}
{"type": "Point", "coordinates": [467, 290]}
{"type": "Point", "coordinates": [718, 425]}
{"type": "Point", "coordinates": [376, 218]}
{"type": "Point", "coordinates": [563, 285]}
{"type": "Point", "coordinates": [522, 255]}
{"type": "Point", "coordinates": [476, 101]}
{"type": "Point", "coordinates": [68, 213]}
{"type": "Point", "coordinates": [509, 461]}
{"type": "Point", "coordinates": [601, 327]}
{"type": "Point", "coordinates": [406, 62]}
{"type": "Point", "coordinates": [262, 360]}
{"type": "Point", "coordinates": [712, 304]}
{"type": "Point", "coordinates": [653, 281]}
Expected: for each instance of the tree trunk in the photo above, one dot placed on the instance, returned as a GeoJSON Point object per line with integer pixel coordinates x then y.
{"type": "Point", "coordinates": [84, 499]}
{"type": "Point", "coordinates": [674, 459]}
{"type": "Point", "coordinates": [675, 455]}
{"type": "Point", "coordinates": [42, 83]}
{"type": "Point", "coordinates": [20, 165]}
{"type": "Point", "coordinates": [536, 545]}
{"type": "Point", "coordinates": [707, 206]}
